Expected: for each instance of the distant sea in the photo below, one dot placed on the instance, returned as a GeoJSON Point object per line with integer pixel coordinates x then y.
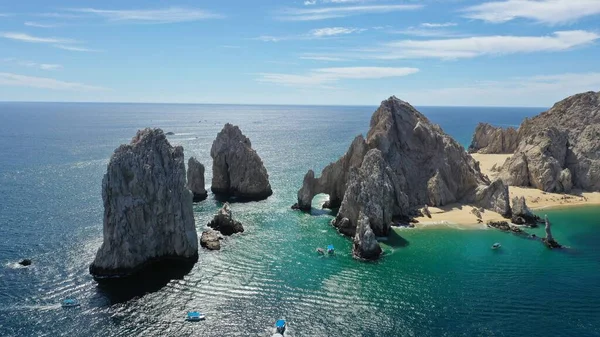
{"type": "Point", "coordinates": [431, 282]}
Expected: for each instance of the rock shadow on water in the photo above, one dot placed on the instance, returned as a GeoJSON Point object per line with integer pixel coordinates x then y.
{"type": "Point", "coordinates": [150, 279]}
{"type": "Point", "coordinates": [394, 240]}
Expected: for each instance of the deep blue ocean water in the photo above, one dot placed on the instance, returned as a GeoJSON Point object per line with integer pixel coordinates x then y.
{"type": "Point", "coordinates": [431, 282]}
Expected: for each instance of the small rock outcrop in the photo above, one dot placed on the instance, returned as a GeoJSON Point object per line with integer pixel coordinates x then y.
{"type": "Point", "coordinates": [405, 162]}
{"type": "Point", "coordinates": [521, 214]}
{"type": "Point", "coordinates": [195, 179]}
{"type": "Point", "coordinates": [148, 212]}
{"type": "Point", "coordinates": [365, 245]}
{"type": "Point", "coordinates": [549, 239]}
{"type": "Point", "coordinates": [238, 171]}
{"type": "Point", "coordinates": [490, 139]}
{"type": "Point", "coordinates": [25, 262]}
{"type": "Point", "coordinates": [223, 222]}
{"type": "Point", "coordinates": [211, 240]}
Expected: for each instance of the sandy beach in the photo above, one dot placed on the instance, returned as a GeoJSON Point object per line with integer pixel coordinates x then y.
{"type": "Point", "coordinates": [460, 214]}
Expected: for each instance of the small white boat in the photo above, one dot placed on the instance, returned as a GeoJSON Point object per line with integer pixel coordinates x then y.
{"type": "Point", "coordinates": [496, 245]}
{"type": "Point", "coordinates": [195, 316]}
{"type": "Point", "coordinates": [70, 302]}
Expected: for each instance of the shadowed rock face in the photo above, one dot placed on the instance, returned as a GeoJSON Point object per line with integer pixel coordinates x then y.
{"type": "Point", "coordinates": [238, 171]}
{"type": "Point", "coordinates": [147, 208]}
{"type": "Point", "coordinates": [195, 179]}
{"type": "Point", "coordinates": [405, 163]}
{"type": "Point", "coordinates": [490, 139]}
{"type": "Point", "coordinates": [559, 149]}
{"type": "Point", "coordinates": [365, 245]}
{"type": "Point", "coordinates": [223, 222]}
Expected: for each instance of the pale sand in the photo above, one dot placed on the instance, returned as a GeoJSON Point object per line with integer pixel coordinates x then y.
{"type": "Point", "coordinates": [457, 214]}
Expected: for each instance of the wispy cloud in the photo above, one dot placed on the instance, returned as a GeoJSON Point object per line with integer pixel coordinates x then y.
{"type": "Point", "coordinates": [426, 32]}
{"type": "Point", "coordinates": [322, 13]}
{"type": "Point", "coordinates": [544, 11]}
{"type": "Point", "coordinates": [325, 77]}
{"type": "Point", "coordinates": [322, 58]}
{"type": "Point", "coordinates": [39, 25]}
{"type": "Point", "coordinates": [438, 25]}
{"type": "Point", "coordinates": [31, 64]}
{"type": "Point", "coordinates": [319, 33]}
{"type": "Point", "coordinates": [76, 48]}
{"type": "Point", "coordinates": [156, 16]}
{"type": "Point", "coordinates": [332, 31]}
{"type": "Point", "coordinates": [60, 15]}
{"type": "Point", "coordinates": [314, 2]}
{"type": "Point", "coordinates": [10, 79]}
{"type": "Point", "coordinates": [34, 39]}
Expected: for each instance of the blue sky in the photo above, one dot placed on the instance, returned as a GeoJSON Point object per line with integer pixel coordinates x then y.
{"type": "Point", "coordinates": [428, 52]}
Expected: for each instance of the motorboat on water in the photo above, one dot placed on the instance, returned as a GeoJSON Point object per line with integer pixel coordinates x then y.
{"type": "Point", "coordinates": [280, 326]}
{"type": "Point", "coordinates": [70, 302]}
{"type": "Point", "coordinates": [195, 316]}
{"type": "Point", "coordinates": [330, 249]}
{"type": "Point", "coordinates": [496, 245]}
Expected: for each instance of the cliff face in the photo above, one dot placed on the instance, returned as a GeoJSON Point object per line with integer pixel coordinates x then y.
{"type": "Point", "coordinates": [147, 208]}
{"type": "Point", "coordinates": [490, 139]}
{"type": "Point", "coordinates": [559, 149]}
{"type": "Point", "coordinates": [195, 179]}
{"type": "Point", "coordinates": [405, 162]}
{"type": "Point", "coordinates": [238, 171]}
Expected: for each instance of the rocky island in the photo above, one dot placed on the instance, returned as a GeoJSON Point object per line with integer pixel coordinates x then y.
{"type": "Point", "coordinates": [238, 171]}
{"type": "Point", "coordinates": [195, 179]}
{"type": "Point", "coordinates": [148, 214]}
{"type": "Point", "coordinates": [404, 163]}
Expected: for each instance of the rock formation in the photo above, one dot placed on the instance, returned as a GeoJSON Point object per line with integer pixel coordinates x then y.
{"type": "Point", "coordinates": [195, 179]}
{"type": "Point", "coordinates": [490, 139]}
{"type": "Point", "coordinates": [223, 222]}
{"type": "Point", "coordinates": [148, 212]}
{"type": "Point", "coordinates": [25, 262]}
{"type": "Point", "coordinates": [558, 150]}
{"type": "Point", "coordinates": [365, 243]}
{"type": "Point", "coordinates": [405, 162]}
{"type": "Point", "coordinates": [238, 171]}
{"type": "Point", "coordinates": [549, 239]}
{"type": "Point", "coordinates": [210, 240]}
{"type": "Point", "coordinates": [521, 214]}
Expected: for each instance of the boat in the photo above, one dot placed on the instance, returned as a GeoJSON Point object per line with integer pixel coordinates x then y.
{"type": "Point", "coordinates": [496, 245]}
{"type": "Point", "coordinates": [330, 249]}
{"type": "Point", "coordinates": [280, 326]}
{"type": "Point", "coordinates": [194, 316]}
{"type": "Point", "coordinates": [69, 302]}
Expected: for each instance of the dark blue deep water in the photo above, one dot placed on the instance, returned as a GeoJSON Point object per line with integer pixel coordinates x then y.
{"type": "Point", "coordinates": [433, 282]}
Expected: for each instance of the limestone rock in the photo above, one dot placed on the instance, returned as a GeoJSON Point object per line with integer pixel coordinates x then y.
{"type": "Point", "coordinates": [490, 139]}
{"type": "Point", "coordinates": [494, 197]}
{"type": "Point", "coordinates": [210, 240]}
{"type": "Point", "coordinates": [148, 212]}
{"type": "Point", "coordinates": [365, 242]}
{"type": "Point", "coordinates": [195, 179]}
{"type": "Point", "coordinates": [223, 221]}
{"type": "Point", "coordinates": [238, 171]}
{"type": "Point", "coordinates": [549, 239]}
{"type": "Point", "coordinates": [521, 214]}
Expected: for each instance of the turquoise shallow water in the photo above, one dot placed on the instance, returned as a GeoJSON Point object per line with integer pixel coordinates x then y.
{"type": "Point", "coordinates": [433, 282]}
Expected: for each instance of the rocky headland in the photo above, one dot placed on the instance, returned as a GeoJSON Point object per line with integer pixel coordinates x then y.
{"type": "Point", "coordinates": [238, 171]}
{"type": "Point", "coordinates": [195, 179]}
{"type": "Point", "coordinates": [405, 162]}
{"type": "Point", "coordinates": [148, 214]}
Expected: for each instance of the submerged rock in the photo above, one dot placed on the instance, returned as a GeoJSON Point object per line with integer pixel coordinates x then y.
{"type": "Point", "coordinates": [223, 222]}
{"type": "Point", "coordinates": [365, 242]}
{"type": "Point", "coordinates": [501, 225]}
{"type": "Point", "coordinates": [25, 262]}
{"type": "Point", "coordinates": [148, 213]}
{"type": "Point", "coordinates": [195, 179]}
{"type": "Point", "coordinates": [238, 171]}
{"type": "Point", "coordinates": [210, 240]}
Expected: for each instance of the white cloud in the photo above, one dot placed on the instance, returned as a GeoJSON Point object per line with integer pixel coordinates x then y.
{"type": "Point", "coordinates": [426, 32]}
{"type": "Point", "coordinates": [332, 31]}
{"type": "Point", "coordinates": [34, 39]}
{"type": "Point", "coordinates": [545, 11]}
{"type": "Point", "coordinates": [313, 2]}
{"type": "Point", "coordinates": [76, 48]}
{"type": "Point", "coordinates": [39, 25]}
{"type": "Point", "coordinates": [30, 64]}
{"type": "Point", "coordinates": [310, 14]}
{"type": "Point", "coordinates": [10, 79]}
{"type": "Point", "coordinates": [165, 15]}
{"type": "Point", "coordinates": [322, 58]}
{"type": "Point", "coordinates": [324, 77]}
{"type": "Point", "coordinates": [438, 25]}
{"type": "Point", "coordinates": [538, 91]}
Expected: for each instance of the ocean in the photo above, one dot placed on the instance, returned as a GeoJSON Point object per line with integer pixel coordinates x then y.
{"type": "Point", "coordinates": [431, 282]}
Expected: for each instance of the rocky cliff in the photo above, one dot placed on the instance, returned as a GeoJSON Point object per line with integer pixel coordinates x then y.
{"type": "Point", "coordinates": [238, 171]}
{"type": "Point", "coordinates": [405, 162]}
{"type": "Point", "coordinates": [490, 139]}
{"type": "Point", "coordinates": [147, 208]}
{"type": "Point", "coordinates": [559, 149]}
{"type": "Point", "coordinates": [195, 179]}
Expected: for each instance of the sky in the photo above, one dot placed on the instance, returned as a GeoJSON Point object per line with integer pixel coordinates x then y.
{"type": "Point", "coordinates": [333, 52]}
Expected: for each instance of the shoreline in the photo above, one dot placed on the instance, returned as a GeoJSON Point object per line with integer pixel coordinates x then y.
{"type": "Point", "coordinates": [458, 214]}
